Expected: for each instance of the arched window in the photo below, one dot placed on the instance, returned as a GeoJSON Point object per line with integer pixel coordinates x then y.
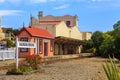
{"type": "Point", "coordinates": [68, 23]}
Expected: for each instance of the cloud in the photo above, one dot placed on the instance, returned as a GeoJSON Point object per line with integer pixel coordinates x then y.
{"type": "Point", "coordinates": [96, 0]}
{"type": "Point", "coordinates": [61, 7]}
{"type": "Point", "coordinates": [1, 1]}
{"type": "Point", "coordinates": [38, 1]}
{"type": "Point", "coordinates": [10, 12]}
{"type": "Point", "coordinates": [102, 5]}
{"type": "Point", "coordinates": [14, 1]}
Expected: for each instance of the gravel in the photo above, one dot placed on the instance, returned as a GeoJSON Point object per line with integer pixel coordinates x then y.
{"type": "Point", "coordinates": [74, 69]}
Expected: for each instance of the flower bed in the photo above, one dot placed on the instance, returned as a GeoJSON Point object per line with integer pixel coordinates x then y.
{"type": "Point", "coordinates": [31, 64]}
{"type": "Point", "coordinates": [25, 73]}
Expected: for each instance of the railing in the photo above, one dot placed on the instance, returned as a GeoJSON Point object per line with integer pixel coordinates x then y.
{"type": "Point", "coordinates": [7, 54]}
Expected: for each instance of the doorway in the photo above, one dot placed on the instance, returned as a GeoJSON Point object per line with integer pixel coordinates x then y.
{"type": "Point", "coordinates": [45, 49]}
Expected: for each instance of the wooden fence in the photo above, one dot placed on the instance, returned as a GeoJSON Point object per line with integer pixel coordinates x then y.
{"type": "Point", "coordinates": [7, 54]}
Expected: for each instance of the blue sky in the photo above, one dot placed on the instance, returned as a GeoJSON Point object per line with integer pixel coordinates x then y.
{"type": "Point", "coordinates": [93, 14]}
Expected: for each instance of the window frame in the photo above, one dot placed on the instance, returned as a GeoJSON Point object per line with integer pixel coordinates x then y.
{"type": "Point", "coordinates": [51, 45]}
{"type": "Point", "coordinates": [40, 46]}
{"type": "Point", "coordinates": [23, 50]}
{"type": "Point", "coordinates": [68, 23]}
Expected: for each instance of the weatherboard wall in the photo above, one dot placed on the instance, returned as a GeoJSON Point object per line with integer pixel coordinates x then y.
{"type": "Point", "coordinates": [31, 51]}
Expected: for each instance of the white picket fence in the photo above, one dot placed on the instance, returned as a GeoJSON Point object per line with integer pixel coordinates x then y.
{"type": "Point", "coordinates": [7, 54]}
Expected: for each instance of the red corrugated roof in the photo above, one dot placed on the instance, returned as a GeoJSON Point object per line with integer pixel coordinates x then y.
{"type": "Point", "coordinates": [49, 22]}
{"type": "Point", "coordinates": [38, 32]}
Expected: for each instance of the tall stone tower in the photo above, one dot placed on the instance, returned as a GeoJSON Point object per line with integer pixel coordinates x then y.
{"type": "Point", "coordinates": [2, 35]}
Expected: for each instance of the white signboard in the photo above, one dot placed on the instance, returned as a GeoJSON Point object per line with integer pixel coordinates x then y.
{"type": "Point", "coordinates": [23, 44]}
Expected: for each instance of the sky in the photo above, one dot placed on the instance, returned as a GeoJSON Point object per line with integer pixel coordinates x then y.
{"type": "Point", "coordinates": [93, 15]}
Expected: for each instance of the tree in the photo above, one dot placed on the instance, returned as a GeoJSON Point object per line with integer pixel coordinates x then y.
{"type": "Point", "coordinates": [88, 47]}
{"type": "Point", "coordinates": [116, 26]}
{"type": "Point", "coordinates": [10, 43]}
{"type": "Point", "coordinates": [97, 38]}
{"type": "Point", "coordinates": [15, 32]}
{"type": "Point", "coordinates": [107, 47]}
{"type": "Point", "coordinates": [12, 32]}
{"type": "Point", "coordinates": [117, 47]}
{"type": "Point", "coordinates": [116, 35]}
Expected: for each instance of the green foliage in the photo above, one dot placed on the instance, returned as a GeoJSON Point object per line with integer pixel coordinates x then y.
{"type": "Point", "coordinates": [104, 44]}
{"type": "Point", "coordinates": [111, 71]}
{"type": "Point", "coordinates": [26, 69]}
{"type": "Point", "coordinates": [116, 26]}
{"type": "Point", "coordinates": [107, 47]}
{"type": "Point", "coordinates": [88, 47]}
{"type": "Point", "coordinates": [29, 64]}
{"type": "Point", "coordinates": [97, 38]}
{"type": "Point", "coordinates": [117, 47]}
{"type": "Point", "coordinates": [24, 66]}
{"type": "Point", "coordinates": [10, 43]}
{"type": "Point", "coordinates": [13, 32]}
{"type": "Point", "coordinates": [34, 61]}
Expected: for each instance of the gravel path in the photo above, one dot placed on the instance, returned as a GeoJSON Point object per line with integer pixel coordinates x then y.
{"type": "Point", "coordinates": [75, 69]}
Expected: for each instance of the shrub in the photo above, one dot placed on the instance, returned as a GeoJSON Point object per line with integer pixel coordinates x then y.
{"type": "Point", "coordinates": [34, 61]}
{"type": "Point", "coordinates": [111, 71]}
{"type": "Point", "coordinates": [29, 64]}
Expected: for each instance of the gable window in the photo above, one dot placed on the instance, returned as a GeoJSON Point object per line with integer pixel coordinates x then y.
{"type": "Point", "coordinates": [24, 49]}
{"type": "Point", "coordinates": [68, 23]}
{"type": "Point", "coordinates": [40, 45]}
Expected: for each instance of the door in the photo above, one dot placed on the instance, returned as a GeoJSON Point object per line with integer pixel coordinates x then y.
{"type": "Point", "coordinates": [45, 49]}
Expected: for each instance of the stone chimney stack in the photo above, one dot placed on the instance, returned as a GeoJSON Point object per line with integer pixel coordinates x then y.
{"type": "Point", "coordinates": [40, 15]}
{"type": "Point", "coordinates": [76, 18]}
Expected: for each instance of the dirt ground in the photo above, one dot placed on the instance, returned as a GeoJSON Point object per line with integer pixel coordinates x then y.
{"type": "Point", "coordinates": [72, 69]}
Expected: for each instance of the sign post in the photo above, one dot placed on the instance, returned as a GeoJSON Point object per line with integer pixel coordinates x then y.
{"type": "Point", "coordinates": [23, 44]}
{"type": "Point", "coordinates": [17, 53]}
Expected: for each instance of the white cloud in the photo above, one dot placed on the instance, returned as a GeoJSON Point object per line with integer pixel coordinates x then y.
{"type": "Point", "coordinates": [61, 7]}
{"type": "Point", "coordinates": [96, 0]}
{"type": "Point", "coordinates": [10, 12]}
{"type": "Point", "coordinates": [101, 4]}
{"type": "Point", "coordinates": [1, 1]}
{"type": "Point", "coordinates": [38, 1]}
{"type": "Point", "coordinates": [14, 1]}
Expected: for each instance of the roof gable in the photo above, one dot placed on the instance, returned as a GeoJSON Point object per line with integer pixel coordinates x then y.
{"type": "Point", "coordinates": [38, 32]}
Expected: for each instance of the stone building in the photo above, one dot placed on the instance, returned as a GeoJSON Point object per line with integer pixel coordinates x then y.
{"type": "Point", "coordinates": [86, 35]}
{"type": "Point", "coordinates": [7, 35]}
{"type": "Point", "coordinates": [68, 38]}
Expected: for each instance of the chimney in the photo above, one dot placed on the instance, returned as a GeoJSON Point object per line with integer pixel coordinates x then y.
{"type": "Point", "coordinates": [40, 15]}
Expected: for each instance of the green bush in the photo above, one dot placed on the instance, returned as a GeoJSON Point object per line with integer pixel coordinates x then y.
{"type": "Point", "coordinates": [111, 71]}
{"type": "Point", "coordinates": [34, 61]}
{"type": "Point", "coordinates": [26, 69]}
{"type": "Point", "coordinates": [29, 64]}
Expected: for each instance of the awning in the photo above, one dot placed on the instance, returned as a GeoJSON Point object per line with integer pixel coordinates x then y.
{"type": "Point", "coordinates": [70, 41]}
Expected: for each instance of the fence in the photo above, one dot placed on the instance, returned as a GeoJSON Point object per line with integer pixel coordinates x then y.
{"type": "Point", "coordinates": [7, 54]}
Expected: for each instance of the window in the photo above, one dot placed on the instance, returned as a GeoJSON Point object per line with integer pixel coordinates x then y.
{"type": "Point", "coordinates": [24, 49]}
{"type": "Point", "coordinates": [68, 23]}
{"type": "Point", "coordinates": [24, 39]}
{"type": "Point", "coordinates": [51, 45]}
{"type": "Point", "coordinates": [40, 45]}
